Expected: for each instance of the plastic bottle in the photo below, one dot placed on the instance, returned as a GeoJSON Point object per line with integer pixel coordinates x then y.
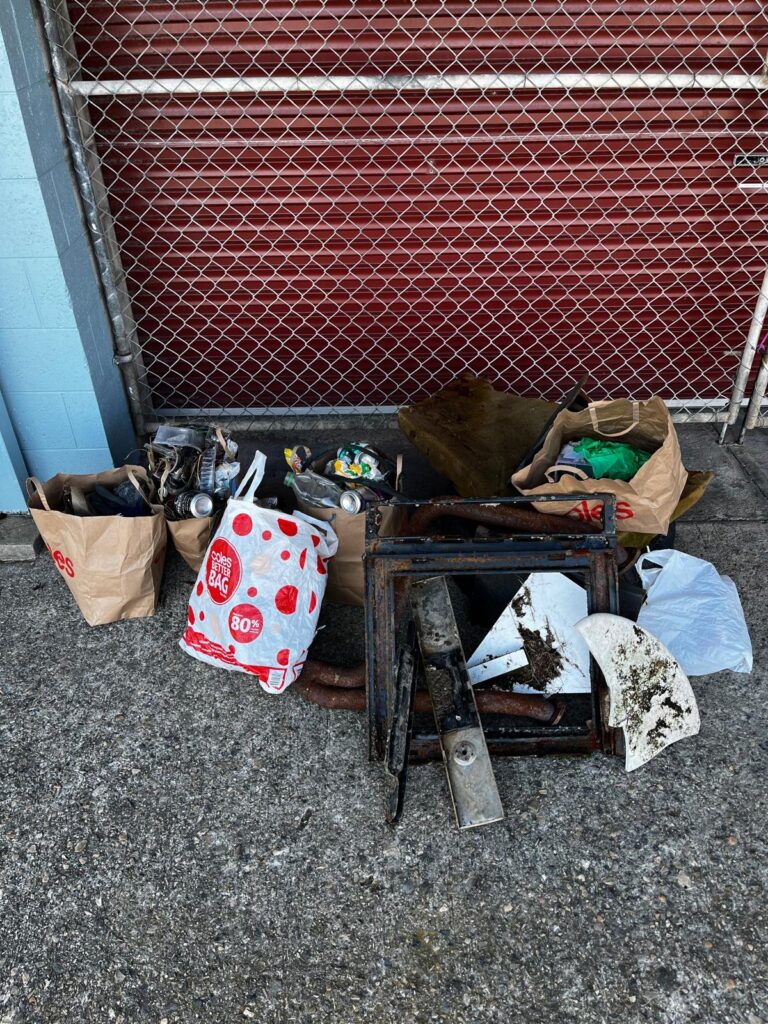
{"type": "Point", "coordinates": [315, 489]}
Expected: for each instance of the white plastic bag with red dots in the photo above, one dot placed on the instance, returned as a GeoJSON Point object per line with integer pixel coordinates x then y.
{"type": "Point", "coordinates": [255, 604]}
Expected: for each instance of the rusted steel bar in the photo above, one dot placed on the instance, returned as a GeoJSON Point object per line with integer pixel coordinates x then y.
{"type": "Point", "coordinates": [499, 702]}
{"type": "Point", "coordinates": [504, 517]}
{"type": "Point", "coordinates": [333, 697]}
{"type": "Point", "coordinates": [331, 675]}
{"type": "Point", "coordinates": [352, 698]}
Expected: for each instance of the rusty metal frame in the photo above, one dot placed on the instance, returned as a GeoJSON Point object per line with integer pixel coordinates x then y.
{"type": "Point", "coordinates": [390, 560]}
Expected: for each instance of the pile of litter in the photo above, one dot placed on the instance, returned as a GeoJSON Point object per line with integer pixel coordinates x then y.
{"type": "Point", "coordinates": [557, 499]}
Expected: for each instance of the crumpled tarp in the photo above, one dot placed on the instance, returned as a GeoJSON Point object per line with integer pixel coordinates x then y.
{"type": "Point", "coordinates": [474, 434]}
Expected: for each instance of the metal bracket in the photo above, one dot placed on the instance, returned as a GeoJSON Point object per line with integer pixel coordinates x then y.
{"type": "Point", "coordinates": [471, 780]}
{"type": "Point", "coordinates": [399, 739]}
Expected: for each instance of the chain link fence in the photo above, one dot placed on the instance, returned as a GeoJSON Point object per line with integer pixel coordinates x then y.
{"type": "Point", "coordinates": [328, 206]}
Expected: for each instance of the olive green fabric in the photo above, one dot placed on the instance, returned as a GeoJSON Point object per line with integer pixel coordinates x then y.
{"type": "Point", "coordinates": [474, 434]}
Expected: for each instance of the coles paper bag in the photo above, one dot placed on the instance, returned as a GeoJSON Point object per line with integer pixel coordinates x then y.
{"type": "Point", "coordinates": [645, 503]}
{"type": "Point", "coordinates": [346, 577]}
{"type": "Point", "coordinates": [256, 601]}
{"type": "Point", "coordinates": [191, 538]}
{"type": "Point", "coordinates": [111, 564]}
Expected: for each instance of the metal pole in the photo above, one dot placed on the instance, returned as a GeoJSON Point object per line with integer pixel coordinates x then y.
{"type": "Point", "coordinates": [95, 207]}
{"type": "Point", "coordinates": [540, 81]}
{"type": "Point", "coordinates": [747, 358]}
{"type": "Point", "coordinates": [755, 401]}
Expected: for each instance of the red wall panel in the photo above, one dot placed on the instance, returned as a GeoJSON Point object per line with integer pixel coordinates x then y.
{"type": "Point", "coordinates": [359, 249]}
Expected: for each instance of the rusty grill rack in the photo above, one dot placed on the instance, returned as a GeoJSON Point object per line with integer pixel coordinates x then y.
{"type": "Point", "coordinates": [391, 561]}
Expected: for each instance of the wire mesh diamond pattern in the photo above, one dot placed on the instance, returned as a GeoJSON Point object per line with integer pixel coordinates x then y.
{"type": "Point", "coordinates": [334, 205]}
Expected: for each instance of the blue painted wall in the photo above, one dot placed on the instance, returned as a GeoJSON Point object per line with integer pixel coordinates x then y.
{"type": "Point", "coordinates": [62, 394]}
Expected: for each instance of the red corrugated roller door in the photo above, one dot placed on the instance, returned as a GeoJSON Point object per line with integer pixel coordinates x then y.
{"type": "Point", "coordinates": [345, 204]}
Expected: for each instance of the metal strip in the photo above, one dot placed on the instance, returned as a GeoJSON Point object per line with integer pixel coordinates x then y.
{"type": "Point", "coordinates": [399, 739]}
{"type": "Point", "coordinates": [687, 410]}
{"type": "Point", "coordinates": [471, 780]}
{"type": "Point", "coordinates": [255, 84]}
{"type": "Point", "coordinates": [96, 212]}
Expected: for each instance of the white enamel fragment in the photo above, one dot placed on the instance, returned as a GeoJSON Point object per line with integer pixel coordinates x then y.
{"type": "Point", "coordinates": [651, 698]}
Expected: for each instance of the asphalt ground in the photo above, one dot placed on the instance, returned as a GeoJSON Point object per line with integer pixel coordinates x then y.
{"type": "Point", "coordinates": [178, 846]}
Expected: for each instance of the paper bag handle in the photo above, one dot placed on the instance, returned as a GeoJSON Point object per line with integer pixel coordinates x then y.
{"type": "Point", "coordinates": [137, 484]}
{"type": "Point", "coordinates": [253, 477]}
{"type": "Point", "coordinates": [35, 487]}
{"type": "Point", "coordinates": [616, 433]}
{"type": "Point", "coordinates": [565, 468]}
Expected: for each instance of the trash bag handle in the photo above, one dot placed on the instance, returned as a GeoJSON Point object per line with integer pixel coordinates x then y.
{"type": "Point", "coordinates": [616, 433]}
{"type": "Point", "coordinates": [137, 484]}
{"type": "Point", "coordinates": [35, 487]}
{"type": "Point", "coordinates": [659, 560]}
{"type": "Point", "coordinates": [253, 477]}
{"type": "Point", "coordinates": [566, 468]}
{"type": "Point", "coordinates": [325, 528]}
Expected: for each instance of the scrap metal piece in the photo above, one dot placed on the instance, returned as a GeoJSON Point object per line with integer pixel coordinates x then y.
{"type": "Point", "coordinates": [567, 402]}
{"type": "Point", "coordinates": [399, 740]}
{"type": "Point", "coordinates": [545, 611]}
{"type": "Point", "coordinates": [497, 515]}
{"type": "Point", "coordinates": [481, 671]}
{"type": "Point", "coordinates": [468, 766]}
{"type": "Point", "coordinates": [350, 696]}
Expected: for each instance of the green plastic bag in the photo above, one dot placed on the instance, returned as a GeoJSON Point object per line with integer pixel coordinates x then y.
{"type": "Point", "coordinates": [611, 460]}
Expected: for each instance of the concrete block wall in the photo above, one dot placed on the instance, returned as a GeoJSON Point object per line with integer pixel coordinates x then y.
{"type": "Point", "coordinates": [61, 396]}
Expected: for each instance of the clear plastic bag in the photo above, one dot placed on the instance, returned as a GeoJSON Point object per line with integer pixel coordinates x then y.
{"type": "Point", "coordinates": [695, 612]}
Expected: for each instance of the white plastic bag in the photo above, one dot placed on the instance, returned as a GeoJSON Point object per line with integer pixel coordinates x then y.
{"type": "Point", "coordinates": [695, 612]}
{"type": "Point", "coordinates": [256, 601]}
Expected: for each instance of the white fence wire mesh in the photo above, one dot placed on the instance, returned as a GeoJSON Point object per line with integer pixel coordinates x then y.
{"type": "Point", "coordinates": [333, 206]}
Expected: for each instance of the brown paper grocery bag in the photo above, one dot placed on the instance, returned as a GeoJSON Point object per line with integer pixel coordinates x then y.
{"type": "Point", "coordinates": [111, 564]}
{"type": "Point", "coordinates": [191, 538]}
{"type": "Point", "coordinates": [346, 578]}
{"type": "Point", "coordinates": [346, 575]}
{"type": "Point", "coordinates": [645, 503]}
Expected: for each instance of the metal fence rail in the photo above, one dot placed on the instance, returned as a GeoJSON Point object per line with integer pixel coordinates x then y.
{"type": "Point", "coordinates": [327, 206]}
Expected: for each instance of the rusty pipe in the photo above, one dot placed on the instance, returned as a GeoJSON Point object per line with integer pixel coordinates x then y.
{"type": "Point", "coordinates": [503, 517]}
{"type": "Point", "coordinates": [333, 676]}
{"type": "Point", "coordinates": [333, 697]}
{"type": "Point", "coordinates": [502, 702]}
{"type": "Point", "coordinates": [491, 702]}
